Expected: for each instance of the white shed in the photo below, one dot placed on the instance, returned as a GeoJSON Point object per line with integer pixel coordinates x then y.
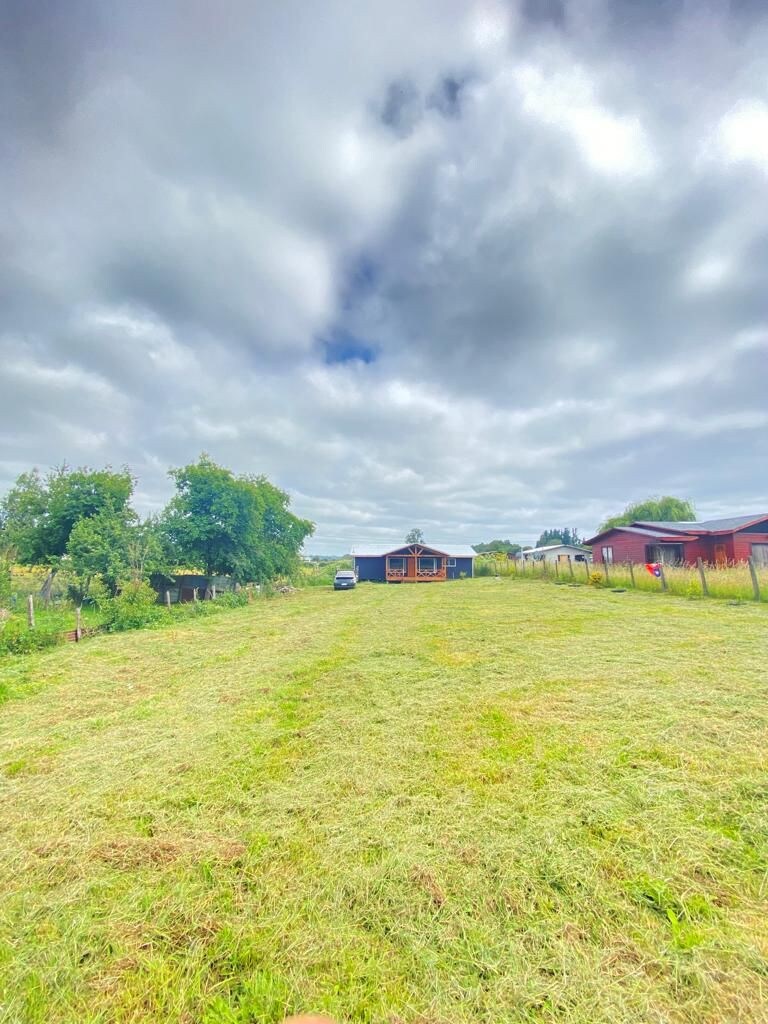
{"type": "Point", "coordinates": [557, 553]}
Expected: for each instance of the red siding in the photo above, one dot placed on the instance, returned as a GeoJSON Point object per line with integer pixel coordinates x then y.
{"type": "Point", "coordinates": [630, 547]}
{"type": "Point", "coordinates": [742, 544]}
{"type": "Point", "coordinates": [627, 547]}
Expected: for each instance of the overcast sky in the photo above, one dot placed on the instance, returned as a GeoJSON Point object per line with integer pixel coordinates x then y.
{"type": "Point", "coordinates": [479, 267]}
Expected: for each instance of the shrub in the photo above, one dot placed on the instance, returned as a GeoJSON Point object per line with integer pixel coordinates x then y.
{"type": "Point", "coordinates": [17, 638]}
{"type": "Point", "coordinates": [232, 599]}
{"type": "Point", "coordinates": [135, 606]}
{"type": "Point", "coordinates": [596, 579]}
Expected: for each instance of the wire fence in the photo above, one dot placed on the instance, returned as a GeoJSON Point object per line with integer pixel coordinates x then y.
{"type": "Point", "coordinates": [738, 581]}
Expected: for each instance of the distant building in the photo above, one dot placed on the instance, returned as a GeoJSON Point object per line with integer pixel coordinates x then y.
{"type": "Point", "coordinates": [714, 540]}
{"type": "Point", "coordinates": [557, 553]}
{"type": "Point", "coordinates": [413, 563]}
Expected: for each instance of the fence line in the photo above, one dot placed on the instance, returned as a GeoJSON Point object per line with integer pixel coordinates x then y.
{"type": "Point", "coordinates": [746, 581]}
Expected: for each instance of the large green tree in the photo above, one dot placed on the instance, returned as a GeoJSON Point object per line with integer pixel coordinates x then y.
{"type": "Point", "coordinates": [115, 549]}
{"type": "Point", "coordinates": [654, 510]}
{"type": "Point", "coordinates": [39, 514]}
{"type": "Point", "coordinates": [239, 526]}
{"type": "Point", "coordinates": [414, 536]}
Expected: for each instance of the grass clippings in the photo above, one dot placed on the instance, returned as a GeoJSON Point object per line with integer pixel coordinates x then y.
{"type": "Point", "coordinates": [480, 801]}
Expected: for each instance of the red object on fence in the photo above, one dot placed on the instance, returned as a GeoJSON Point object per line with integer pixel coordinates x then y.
{"type": "Point", "coordinates": [654, 568]}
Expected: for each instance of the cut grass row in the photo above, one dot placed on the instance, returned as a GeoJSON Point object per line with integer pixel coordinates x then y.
{"type": "Point", "coordinates": [465, 802]}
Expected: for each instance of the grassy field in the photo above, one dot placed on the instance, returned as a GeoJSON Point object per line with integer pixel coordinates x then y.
{"type": "Point", "coordinates": [488, 800]}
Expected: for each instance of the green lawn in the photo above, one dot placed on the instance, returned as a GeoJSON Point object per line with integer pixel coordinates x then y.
{"type": "Point", "coordinates": [477, 801]}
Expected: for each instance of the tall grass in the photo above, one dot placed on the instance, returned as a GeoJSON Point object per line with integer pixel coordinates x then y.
{"type": "Point", "coordinates": [729, 582]}
{"type": "Point", "coordinates": [321, 574]}
{"type": "Point", "coordinates": [117, 615]}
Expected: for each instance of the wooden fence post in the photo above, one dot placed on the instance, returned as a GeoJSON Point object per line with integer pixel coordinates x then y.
{"type": "Point", "coordinates": [662, 577]}
{"type": "Point", "coordinates": [631, 572]}
{"type": "Point", "coordinates": [78, 626]}
{"type": "Point", "coordinates": [607, 574]}
{"type": "Point", "coordinates": [755, 580]}
{"type": "Point", "coordinates": [194, 594]}
{"type": "Point", "coordinates": [557, 570]}
{"type": "Point", "coordinates": [586, 569]}
{"type": "Point", "coordinates": [703, 577]}
{"type": "Point", "coordinates": [570, 565]}
{"type": "Point", "coordinates": [167, 598]}
{"type": "Point", "coordinates": [213, 591]}
{"type": "Point", "coordinates": [31, 611]}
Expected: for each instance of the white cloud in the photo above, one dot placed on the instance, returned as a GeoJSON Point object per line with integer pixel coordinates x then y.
{"type": "Point", "coordinates": [609, 143]}
{"type": "Point", "coordinates": [563, 303]}
{"type": "Point", "coordinates": [743, 133]}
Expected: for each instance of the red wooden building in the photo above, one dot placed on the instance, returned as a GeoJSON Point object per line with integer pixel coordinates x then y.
{"type": "Point", "coordinates": [714, 540]}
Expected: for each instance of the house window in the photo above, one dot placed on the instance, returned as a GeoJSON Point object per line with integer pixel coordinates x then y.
{"type": "Point", "coordinates": [607, 554]}
{"type": "Point", "coordinates": [452, 563]}
{"type": "Point", "coordinates": [667, 554]}
{"type": "Point", "coordinates": [427, 563]}
{"type": "Point", "coordinates": [760, 554]}
{"type": "Point", "coordinates": [396, 565]}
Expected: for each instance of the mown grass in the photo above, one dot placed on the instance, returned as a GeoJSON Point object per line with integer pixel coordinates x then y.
{"type": "Point", "coordinates": [479, 801]}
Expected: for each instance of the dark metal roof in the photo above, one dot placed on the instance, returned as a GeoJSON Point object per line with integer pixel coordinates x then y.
{"type": "Point", "coordinates": [676, 534]}
{"type": "Point", "coordinates": [683, 531]}
{"type": "Point", "coordinates": [379, 550]}
{"type": "Point", "coordinates": [707, 525]}
{"type": "Point", "coordinates": [661, 535]}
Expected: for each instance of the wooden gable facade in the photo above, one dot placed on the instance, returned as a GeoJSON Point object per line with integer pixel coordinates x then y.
{"type": "Point", "coordinates": [413, 563]}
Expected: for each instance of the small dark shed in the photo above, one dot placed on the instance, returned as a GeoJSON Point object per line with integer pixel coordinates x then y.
{"type": "Point", "coordinates": [182, 586]}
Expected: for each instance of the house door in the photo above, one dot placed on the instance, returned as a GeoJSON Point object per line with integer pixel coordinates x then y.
{"type": "Point", "coordinates": [721, 556]}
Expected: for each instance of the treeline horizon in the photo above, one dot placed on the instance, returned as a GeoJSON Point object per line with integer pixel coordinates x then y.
{"type": "Point", "coordinates": [665, 509]}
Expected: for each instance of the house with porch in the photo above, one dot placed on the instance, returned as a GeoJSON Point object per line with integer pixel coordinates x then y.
{"type": "Point", "coordinates": [718, 541]}
{"type": "Point", "coordinates": [413, 563]}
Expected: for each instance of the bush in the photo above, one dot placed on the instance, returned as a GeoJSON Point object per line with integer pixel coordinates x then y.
{"type": "Point", "coordinates": [135, 606]}
{"type": "Point", "coordinates": [230, 599]}
{"type": "Point", "coordinates": [17, 638]}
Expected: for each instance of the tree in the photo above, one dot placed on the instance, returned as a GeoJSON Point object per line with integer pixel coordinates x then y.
{"type": "Point", "coordinates": [566, 536]}
{"type": "Point", "coordinates": [232, 525]}
{"type": "Point", "coordinates": [38, 515]}
{"type": "Point", "coordinates": [497, 545]}
{"type": "Point", "coordinates": [653, 510]}
{"type": "Point", "coordinates": [21, 514]}
{"type": "Point", "coordinates": [115, 549]}
{"type": "Point", "coordinates": [414, 536]}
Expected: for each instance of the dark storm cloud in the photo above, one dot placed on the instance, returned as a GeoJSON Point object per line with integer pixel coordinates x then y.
{"type": "Point", "coordinates": [475, 265]}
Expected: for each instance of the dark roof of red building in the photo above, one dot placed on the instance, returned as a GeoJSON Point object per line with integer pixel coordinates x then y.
{"type": "Point", "coordinates": [707, 525]}
{"type": "Point", "coordinates": [660, 535]}
{"type": "Point", "coordinates": [647, 532]}
{"type": "Point", "coordinates": [683, 531]}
